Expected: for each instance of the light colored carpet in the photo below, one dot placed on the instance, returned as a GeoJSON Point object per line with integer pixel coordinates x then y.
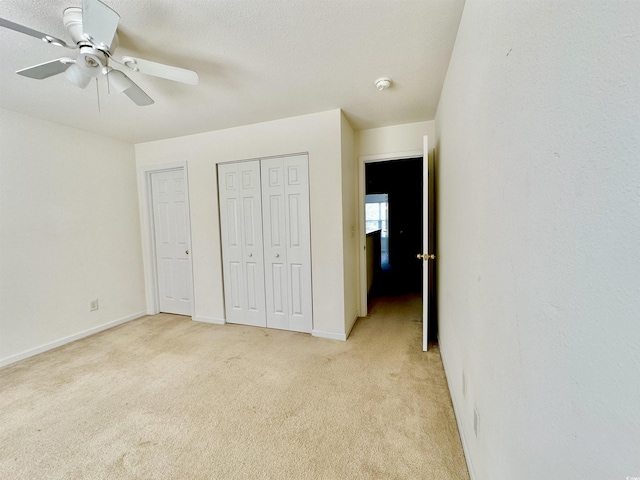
{"type": "Point", "coordinates": [164, 397]}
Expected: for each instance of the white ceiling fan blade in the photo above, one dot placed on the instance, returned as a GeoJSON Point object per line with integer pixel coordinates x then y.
{"type": "Point", "coordinates": [138, 95]}
{"type": "Point", "coordinates": [34, 33]}
{"type": "Point", "coordinates": [47, 69]}
{"type": "Point", "coordinates": [159, 70]}
{"type": "Point", "coordinates": [99, 22]}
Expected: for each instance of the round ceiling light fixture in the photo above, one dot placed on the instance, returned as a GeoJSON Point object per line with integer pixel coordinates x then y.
{"type": "Point", "coordinates": [383, 83]}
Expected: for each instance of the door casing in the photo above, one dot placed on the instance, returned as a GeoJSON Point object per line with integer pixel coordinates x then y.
{"type": "Point", "coordinates": [362, 161]}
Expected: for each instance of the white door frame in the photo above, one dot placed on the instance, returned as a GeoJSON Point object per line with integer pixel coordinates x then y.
{"type": "Point", "coordinates": [362, 190]}
{"type": "Point", "coordinates": [148, 233]}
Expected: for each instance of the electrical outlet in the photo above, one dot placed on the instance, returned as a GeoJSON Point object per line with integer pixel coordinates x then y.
{"type": "Point", "coordinates": [476, 422]}
{"type": "Point", "coordinates": [93, 305]}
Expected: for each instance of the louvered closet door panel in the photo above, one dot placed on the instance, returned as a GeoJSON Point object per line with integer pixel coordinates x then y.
{"type": "Point", "coordinates": [275, 243]}
{"type": "Point", "coordinates": [298, 237]}
{"type": "Point", "coordinates": [241, 225]}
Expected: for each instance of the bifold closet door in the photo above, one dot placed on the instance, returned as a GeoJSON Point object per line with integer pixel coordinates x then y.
{"type": "Point", "coordinates": [242, 252]}
{"type": "Point", "coordinates": [287, 242]}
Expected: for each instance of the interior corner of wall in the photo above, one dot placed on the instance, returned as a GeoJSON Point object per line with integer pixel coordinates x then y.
{"type": "Point", "coordinates": [345, 121]}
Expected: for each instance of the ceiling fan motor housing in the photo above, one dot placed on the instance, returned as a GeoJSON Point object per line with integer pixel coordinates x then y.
{"type": "Point", "coordinates": [72, 20]}
{"type": "Point", "coordinates": [91, 61]}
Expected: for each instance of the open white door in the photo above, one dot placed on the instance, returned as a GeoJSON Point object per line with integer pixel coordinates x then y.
{"type": "Point", "coordinates": [426, 255]}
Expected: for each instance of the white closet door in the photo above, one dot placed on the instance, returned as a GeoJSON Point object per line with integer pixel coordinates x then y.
{"type": "Point", "coordinates": [275, 242]}
{"type": "Point", "coordinates": [253, 264]}
{"type": "Point", "coordinates": [171, 218]}
{"type": "Point", "coordinates": [241, 222]}
{"type": "Point", "coordinates": [296, 175]}
{"type": "Point", "coordinates": [287, 244]}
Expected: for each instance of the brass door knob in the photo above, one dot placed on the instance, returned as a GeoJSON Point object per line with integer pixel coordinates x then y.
{"type": "Point", "coordinates": [187, 252]}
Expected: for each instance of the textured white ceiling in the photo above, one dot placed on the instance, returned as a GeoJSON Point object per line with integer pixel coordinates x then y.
{"type": "Point", "coordinates": [258, 60]}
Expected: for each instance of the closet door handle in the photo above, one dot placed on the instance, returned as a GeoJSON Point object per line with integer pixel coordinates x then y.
{"type": "Point", "coordinates": [277, 255]}
{"type": "Point", "coordinates": [251, 254]}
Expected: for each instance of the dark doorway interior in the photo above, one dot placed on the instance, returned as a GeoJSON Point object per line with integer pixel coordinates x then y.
{"type": "Point", "coordinates": [402, 181]}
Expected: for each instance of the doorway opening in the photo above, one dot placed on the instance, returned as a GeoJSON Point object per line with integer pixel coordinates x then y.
{"type": "Point", "coordinates": [415, 176]}
{"type": "Point", "coordinates": [393, 208]}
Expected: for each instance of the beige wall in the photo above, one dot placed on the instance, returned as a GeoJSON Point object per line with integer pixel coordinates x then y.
{"type": "Point", "coordinates": [538, 237]}
{"type": "Point", "coordinates": [349, 223]}
{"type": "Point", "coordinates": [406, 137]}
{"type": "Point", "coordinates": [69, 233]}
{"type": "Point", "coordinates": [319, 135]}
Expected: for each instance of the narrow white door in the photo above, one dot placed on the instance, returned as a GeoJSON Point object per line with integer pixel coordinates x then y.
{"type": "Point", "coordinates": [427, 255]}
{"type": "Point", "coordinates": [172, 240]}
{"type": "Point", "coordinates": [242, 254]}
{"type": "Point", "coordinates": [287, 242]}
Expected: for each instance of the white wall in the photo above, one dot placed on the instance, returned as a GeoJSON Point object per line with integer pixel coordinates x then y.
{"type": "Point", "coordinates": [349, 223]}
{"type": "Point", "coordinates": [538, 176]}
{"type": "Point", "coordinates": [318, 134]}
{"type": "Point", "coordinates": [69, 233]}
{"type": "Point", "coordinates": [406, 137]}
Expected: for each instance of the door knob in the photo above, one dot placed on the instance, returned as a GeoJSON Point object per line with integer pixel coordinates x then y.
{"type": "Point", "coordinates": [277, 255]}
{"type": "Point", "coordinates": [187, 252]}
{"type": "Point", "coordinates": [426, 256]}
{"type": "Point", "coordinates": [251, 254]}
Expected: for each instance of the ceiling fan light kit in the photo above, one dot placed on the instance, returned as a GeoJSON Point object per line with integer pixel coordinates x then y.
{"type": "Point", "coordinates": [93, 29]}
{"type": "Point", "coordinates": [75, 76]}
{"type": "Point", "coordinates": [118, 80]}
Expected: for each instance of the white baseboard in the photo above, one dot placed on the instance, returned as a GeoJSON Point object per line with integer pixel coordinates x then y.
{"type": "Point", "coordinates": [214, 321]}
{"type": "Point", "coordinates": [458, 415]}
{"type": "Point", "coordinates": [330, 335]}
{"type": "Point", "coordinates": [350, 327]}
{"type": "Point", "coordinates": [57, 343]}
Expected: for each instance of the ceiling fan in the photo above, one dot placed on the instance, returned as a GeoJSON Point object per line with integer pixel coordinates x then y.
{"type": "Point", "coordinates": [93, 29]}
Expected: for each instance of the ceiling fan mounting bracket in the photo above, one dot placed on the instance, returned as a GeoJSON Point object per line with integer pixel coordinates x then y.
{"type": "Point", "coordinates": [130, 63]}
{"type": "Point", "coordinates": [53, 41]}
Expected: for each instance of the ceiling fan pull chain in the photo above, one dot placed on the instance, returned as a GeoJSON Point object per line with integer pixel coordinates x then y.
{"type": "Point", "coordinates": [98, 92]}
